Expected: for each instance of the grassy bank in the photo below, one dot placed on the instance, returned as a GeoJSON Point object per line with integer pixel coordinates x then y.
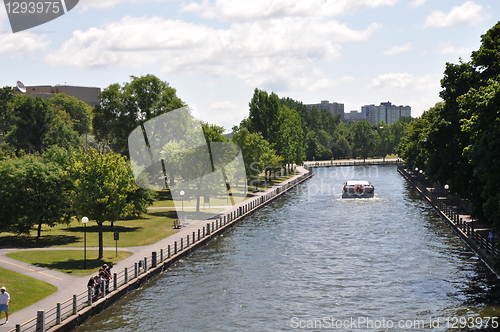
{"type": "Point", "coordinates": [23, 290]}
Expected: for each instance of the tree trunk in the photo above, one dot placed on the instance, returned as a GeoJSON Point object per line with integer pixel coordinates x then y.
{"type": "Point", "coordinates": [39, 232]}
{"type": "Point", "coordinates": [101, 242]}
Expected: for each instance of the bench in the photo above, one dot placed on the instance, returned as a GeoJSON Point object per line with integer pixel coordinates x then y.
{"type": "Point", "coordinates": [177, 224]}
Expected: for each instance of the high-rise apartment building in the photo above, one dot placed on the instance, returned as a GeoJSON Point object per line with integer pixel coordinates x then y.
{"type": "Point", "coordinates": [334, 108]}
{"type": "Point", "coordinates": [386, 112]}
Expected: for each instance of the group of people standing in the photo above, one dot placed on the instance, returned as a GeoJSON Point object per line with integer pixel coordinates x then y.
{"type": "Point", "coordinates": [100, 282]}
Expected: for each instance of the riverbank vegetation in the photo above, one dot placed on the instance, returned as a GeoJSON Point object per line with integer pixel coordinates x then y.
{"type": "Point", "coordinates": [456, 142]}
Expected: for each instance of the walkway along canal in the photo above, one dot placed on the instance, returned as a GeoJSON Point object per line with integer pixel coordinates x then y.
{"type": "Point", "coordinates": [68, 315]}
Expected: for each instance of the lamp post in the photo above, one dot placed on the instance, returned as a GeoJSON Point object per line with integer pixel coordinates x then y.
{"type": "Point", "coordinates": [85, 220]}
{"type": "Point", "coordinates": [182, 199]}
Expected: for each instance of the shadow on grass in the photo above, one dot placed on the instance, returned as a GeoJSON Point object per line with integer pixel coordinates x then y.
{"type": "Point", "coordinates": [23, 241]}
{"type": "Point", "coordinates": [168, 214]}
{"type": "Point", "coordinates": [105, 228]}
{"type": "Point", "coordinates": [164, 195]}
{"type": "Point", "coordinates": [75, 265]}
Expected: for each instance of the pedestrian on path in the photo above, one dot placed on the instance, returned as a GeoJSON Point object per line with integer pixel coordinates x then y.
{"type": "Point", "coordinates": [4, 303]}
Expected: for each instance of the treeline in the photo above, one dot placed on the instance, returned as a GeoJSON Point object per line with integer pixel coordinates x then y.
{"type": "Point", "coordinates": [282, 131]}
{"type": "Point", "coordinates": [457, 142]}
{"type": "Point", "coordinates": [62, 159]}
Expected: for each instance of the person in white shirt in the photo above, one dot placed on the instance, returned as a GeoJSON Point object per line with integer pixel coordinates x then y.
{"type": "Point", "coordinates": [4, 303]}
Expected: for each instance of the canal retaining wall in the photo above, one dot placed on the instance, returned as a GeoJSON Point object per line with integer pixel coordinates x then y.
{"type": "Point", "coordinates": [457, 214]}
{"type": "Point", "coordinates": [70, 314]}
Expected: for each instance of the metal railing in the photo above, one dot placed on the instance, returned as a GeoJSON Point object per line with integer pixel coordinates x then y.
{"type": "Point", "coordinates": [440, 200]}
{"type": "Point", "coordinates": [368, 162]}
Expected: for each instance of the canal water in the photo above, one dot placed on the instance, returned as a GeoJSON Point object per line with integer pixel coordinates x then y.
{"type": "Point", "coordinates": [314, 261]}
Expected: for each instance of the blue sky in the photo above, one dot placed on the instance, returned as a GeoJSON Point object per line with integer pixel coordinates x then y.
{"type": "Point", "coordinates": [216, 52]}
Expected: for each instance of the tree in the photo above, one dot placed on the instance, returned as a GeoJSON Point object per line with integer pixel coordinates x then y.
{"type": "Point", "coordinates": [341, 148]}
{"type": "Point", "coordinates": [385, 140]}
{"type": "Point", "coordinates": [33, 193]}
{"type": "Point", "coordinates": [123, 108]}
{"type": "Point", "coordinates": [363, 139]}
{"type": "Point", "coordinates": [411, 148]}
{"type": "Point", "coordinates": [103, 185]}
{"type": "Point", "coordinates": [264, 115]}
{"type": "Point", "coordinates": [483, 106]}
{"type": "Point", "coordinates": [290, 138]}
{"type": "Point", "coordinates": [257, 152]}
{"type": "Point", "coordinates": [79, 112]}
{"type": "Point", "coordinates": [36, 126]}
{"type": "Point", "coordinates": [6, 94]}
{"type": "Point", "coordinates": [487, 58]}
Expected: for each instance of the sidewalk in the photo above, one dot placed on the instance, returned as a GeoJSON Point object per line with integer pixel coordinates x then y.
{"type": "Point", "coordinates": [68, 285]}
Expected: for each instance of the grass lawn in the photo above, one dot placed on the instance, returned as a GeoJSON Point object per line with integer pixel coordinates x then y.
{"type": "Point", "coordinates": [149, 229]}
{"type": "Point", "coordinates": [23, 290]}
{"type": "Point", "coordinates": [69, 261]}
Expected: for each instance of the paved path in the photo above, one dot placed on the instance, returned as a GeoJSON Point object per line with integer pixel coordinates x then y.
{"type": "Point", "coordinates": [68, 285]}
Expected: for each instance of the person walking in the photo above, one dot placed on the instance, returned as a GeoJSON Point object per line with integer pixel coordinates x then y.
{"type": "Point", "coordinates": [4, 303]}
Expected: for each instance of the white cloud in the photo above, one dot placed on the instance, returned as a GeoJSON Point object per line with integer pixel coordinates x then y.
{"type": "Point", "coordinates": [417, 3]}
{"type": "Point", "coordinates": [447, 48]}
{"type": "Point", "coordinates": [3, 16]}
{"type": "Point", "coordinates": [222, 105]}
{"type": "Point", "coordinates": [277, 52]}
{"type": "Point", "coordinates": [240, 11]}
{"type": "Point", "coordinates": [22, 43]}
{"type": "Point", "coordinates": [469, 13]}
{"type": "Point", "coordinates": [89, 4]}
{"type": "Point", "coordinates": [398, 49]}
{"type": "Point", "coordinates": [404, 81]}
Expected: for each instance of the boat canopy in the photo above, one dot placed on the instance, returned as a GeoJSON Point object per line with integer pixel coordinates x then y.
{"type": "Point", "coordinates": [355, 183]}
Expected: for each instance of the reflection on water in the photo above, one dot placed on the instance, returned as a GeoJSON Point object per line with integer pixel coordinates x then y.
{"type": "Point", "coordinates": [311, 260]}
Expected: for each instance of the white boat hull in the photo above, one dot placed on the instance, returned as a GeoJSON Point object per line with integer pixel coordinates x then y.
{"type": "Point", "coordinates": [358, 189]}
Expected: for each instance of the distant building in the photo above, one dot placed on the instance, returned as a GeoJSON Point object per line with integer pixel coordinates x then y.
{"type": "Point", "coordinates": [386, 112]}
{"type": "Point", "coordinates": [334, 108]}
{"type": "Point", "coordinates": [354, 116]}
{"type": "Point", "coordinates": [89, 95]}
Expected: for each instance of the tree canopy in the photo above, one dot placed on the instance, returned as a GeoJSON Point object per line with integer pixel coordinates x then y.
{"type": "Point", "coordinates": [456, 142]}
{"type": "Point", "coordinates": [123, 108]}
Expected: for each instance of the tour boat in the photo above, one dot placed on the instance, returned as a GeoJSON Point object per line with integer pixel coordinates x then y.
{"type": "Point", "coordinates": [358, 189]}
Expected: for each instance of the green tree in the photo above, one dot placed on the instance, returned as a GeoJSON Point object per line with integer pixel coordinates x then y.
{"type": "Point", "coordinates": [123, 108]}
{"type": "Point", "coordinates": [264, 115]}
{"type": "Point", "coordinates": [257, 152]}
{"type": "Point", "coordinates": [483, 106]}
{"type": "Point", "coordinates": [33, 193]}
{"type": "Point", "coordinates": [36, 126]}
{"type": "Point", "coordinates": [6, 94]}
{"type": "Point", "coordinates": [363, 139]}
{"type": "Point", "coordinates": [103, 184]}
{"type": "Point", "coordinates": [385, 140]}
{"type": "Point", "coordinates": [341, 148]}
{"type": "Point", "coordinates": [290, 138]}
{"type": "Point", "coordinates": [487, 58]}
{"type": "Point", "coordinates": [79, 112]}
